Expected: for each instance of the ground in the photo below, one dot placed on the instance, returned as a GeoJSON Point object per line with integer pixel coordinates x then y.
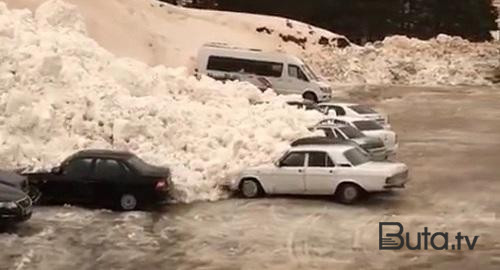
{"type": "Point", "coordinates": [449, 137]}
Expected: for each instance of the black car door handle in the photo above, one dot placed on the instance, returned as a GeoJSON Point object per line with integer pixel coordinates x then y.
{"type": "Point", "coordinates": [300, 170]}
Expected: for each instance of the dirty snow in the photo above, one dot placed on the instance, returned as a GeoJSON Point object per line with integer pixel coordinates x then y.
{"type": "Point", "coordinates": [443, 60]}
{"type": "Point", "coordinates": [61, 92]}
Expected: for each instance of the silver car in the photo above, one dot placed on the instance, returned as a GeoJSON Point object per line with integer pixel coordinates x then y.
{"type": "Point", "coordinates": [374, 146]}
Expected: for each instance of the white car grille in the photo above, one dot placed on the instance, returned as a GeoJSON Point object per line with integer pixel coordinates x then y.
{"type": "Point", "coordinates": [397, 178]}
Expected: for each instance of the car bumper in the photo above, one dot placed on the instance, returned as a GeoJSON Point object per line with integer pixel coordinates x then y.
{"type": "Point", "coordinates": [15, 218]}
{"type": "Point", "coordinates": [392, 150]}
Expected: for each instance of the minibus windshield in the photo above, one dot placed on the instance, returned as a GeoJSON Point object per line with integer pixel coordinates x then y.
{"type": "Point", "coordinates": [310, 72]}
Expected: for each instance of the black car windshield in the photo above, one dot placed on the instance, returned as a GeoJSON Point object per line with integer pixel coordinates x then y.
{"type": "Point", "coordinates": [351, 132]}
{"type": "Point", "coordinates": [356, 157]}
{"type": "Point", "coordinates": [362, 109]}
{"type": "Point", "coordinates": [367, 125]}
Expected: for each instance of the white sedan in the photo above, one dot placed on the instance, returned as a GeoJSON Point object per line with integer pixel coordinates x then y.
{"type": "Point", "coordinates": [354, 110]}
{"type": "Point", "coordinates": [341, 170]}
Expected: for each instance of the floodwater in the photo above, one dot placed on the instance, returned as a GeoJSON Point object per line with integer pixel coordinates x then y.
{"type": "Point", "coordinates": [449, 137]}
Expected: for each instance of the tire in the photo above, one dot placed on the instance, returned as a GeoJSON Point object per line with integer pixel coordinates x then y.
{"type": "Point", "coordinates": [310, 96]}
{"type": "Point", "coordinates": [250, 188]}
{"type": "Point", "coordinates": [127, 202]}
{"type": "Point", "coordinates": [348, 193]}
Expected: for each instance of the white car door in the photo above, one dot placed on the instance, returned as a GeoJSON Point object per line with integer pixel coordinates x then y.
{"type": "Point", "coordinates": [288, 177]}
{"type": "Point", "coordinates": [320, 174]}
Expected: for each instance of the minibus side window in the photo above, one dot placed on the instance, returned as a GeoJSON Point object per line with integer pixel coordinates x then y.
{"type": "Point", "coordinates": [295, 72]}
{"type": "Point", "coordinates": [229, 64]}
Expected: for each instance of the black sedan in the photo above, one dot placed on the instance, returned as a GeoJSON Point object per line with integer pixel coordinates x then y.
{"type": "Point", "coordinates": [15, 205]}
{"type": "Point", "coordinates": [119, 180]}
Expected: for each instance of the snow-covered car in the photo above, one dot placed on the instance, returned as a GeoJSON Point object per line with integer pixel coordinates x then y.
{"type": "Point", "coordinates": [373, 145]}
{"type": "Point", "coordinates": [355, 110]}
{"type": "Point", "coordinates": [341, 170]}
{"type": "Point", "coordinates": [369, 128]}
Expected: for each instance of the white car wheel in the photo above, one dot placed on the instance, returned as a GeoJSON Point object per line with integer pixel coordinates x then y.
{"type": "Point", "coordinates": [128, 202]}
{"type": "Point", "coordinates": [250, 189]}
{"type": "Point", "coordinates": [349, 193]}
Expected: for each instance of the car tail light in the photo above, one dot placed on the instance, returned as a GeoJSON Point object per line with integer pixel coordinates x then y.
{"type": "Point", "coordinates": [161, 185]}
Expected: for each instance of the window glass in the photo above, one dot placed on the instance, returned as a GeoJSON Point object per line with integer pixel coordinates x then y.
{"type": "Point", "coordinates": [367, 125]}
{"type": "Point", "coordinates": [108, 169]}
{"type": "Point", "coordinates": [339, 110]}
{"type": "Point", "coordinates": [339, 135]}
{"type": "Point", "coordinates": [351, 132]}
{"type": "Point", "coordinates": [356, 157]}
{"type": "Point", "coordinates": [78, 167]}
{"type": "Point", "coordinates": [295, 72]}
{"type": "Point", "coordinates": [310, 72]}
{"type": "Point", "coordinates": [329, 162]}
{"type": "Point", "coordinates": [362, 109]}
{"type": "Point", "coordinates": [317, 159]}
{"type": "Point", "coordinates": [294, 159]}
{"type": "Point", "coordinates": [328, 132]}
{"type": "Point", "coordinates": [261, 68]}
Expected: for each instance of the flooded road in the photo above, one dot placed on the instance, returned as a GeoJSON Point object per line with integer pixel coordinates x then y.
{"type": "Point", "coordinates": [449, 137]}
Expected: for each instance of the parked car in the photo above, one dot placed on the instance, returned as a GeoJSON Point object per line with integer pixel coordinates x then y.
{"type": "Point", "coordinates": [16, 180]}
{"type": "Point", "coordinates": [369, 128]}
{"type": "Point", "coordinates": [284, 73]}
{"type": "Point", "coordinates": [355, 110]}
{"type": "Point", "coordinates": [374, 146]}
{"type": "Point", "coordinates": [340, 170]}
{"type": "Point", "coordinates": [15, 205]}
{"type": "Point", "coordinates": [117, 179]}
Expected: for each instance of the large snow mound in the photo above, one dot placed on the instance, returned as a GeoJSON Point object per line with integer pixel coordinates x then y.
{"type": "Point", "coordinates": [158, 33]}
{"type": "Point", "coordinates": [60, 92]}
{"type": "Point", "coordinates": [443, 60]}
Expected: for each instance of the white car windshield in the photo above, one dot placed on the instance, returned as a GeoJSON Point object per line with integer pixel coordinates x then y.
{"type": "Point", "coordinates": [351, 132]}
{"type": "Point", "coordinates": [362, 109]}
{"type": "Point", "coordinates": [367, 125]}
{"type": "Point", "coordinates": [356, 156]}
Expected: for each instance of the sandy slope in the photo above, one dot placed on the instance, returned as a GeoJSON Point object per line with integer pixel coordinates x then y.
{"type": "Point", "coordinates": [163, 34]}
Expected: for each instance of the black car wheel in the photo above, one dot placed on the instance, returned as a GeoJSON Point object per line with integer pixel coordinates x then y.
{"type": "Point", "coordinates": [128, 202]}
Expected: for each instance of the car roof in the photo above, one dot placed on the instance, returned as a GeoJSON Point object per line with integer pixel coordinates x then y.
{"type": "Point", "coordinates": [331, 125]}
{"type": "Point", "coordinates": [338, 104]}
{"type": "Point", "coordinates": [323, 148]}
{"type": "Point", "coordinates": [103, 153]}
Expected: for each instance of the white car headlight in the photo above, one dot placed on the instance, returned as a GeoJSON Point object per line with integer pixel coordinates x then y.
{"type": "Point", "coordinates": [8, 205]}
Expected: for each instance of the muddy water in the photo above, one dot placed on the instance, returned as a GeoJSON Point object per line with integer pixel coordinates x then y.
{"type": "Point", "coordinates": [450, 138]}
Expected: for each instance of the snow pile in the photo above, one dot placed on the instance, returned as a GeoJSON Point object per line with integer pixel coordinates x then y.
{"type": "Point", "coordinates": [401, 60]}
{"type": "Point", "coordinates": [60, 92]}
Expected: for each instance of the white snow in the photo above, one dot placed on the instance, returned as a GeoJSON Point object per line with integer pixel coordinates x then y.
{"type": "Point", "coordinates": [61, 92]}
{"type": "Point", "coordinates": [157, 33]}
{"type": "Point", "coordinates": [443, 60]}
